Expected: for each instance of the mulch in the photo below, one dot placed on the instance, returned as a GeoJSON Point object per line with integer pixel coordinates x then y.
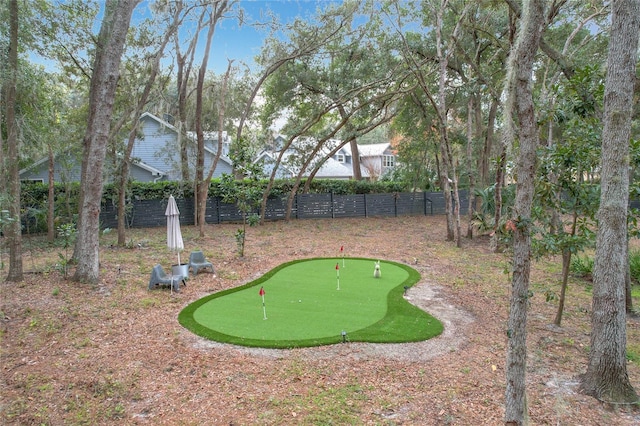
{"type": "Point", "coordinates": [115, 354]}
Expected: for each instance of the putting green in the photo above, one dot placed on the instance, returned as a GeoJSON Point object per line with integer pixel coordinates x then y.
{"type": "Point", "coordinates": [312, 302]}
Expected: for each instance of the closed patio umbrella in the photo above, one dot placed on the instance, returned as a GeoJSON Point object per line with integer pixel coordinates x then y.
{"type": "Point", "coordinates": [174, 235]}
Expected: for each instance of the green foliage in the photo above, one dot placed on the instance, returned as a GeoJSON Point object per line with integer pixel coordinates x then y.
{"type": "Point", "coordinates": [582, 266]}
{"type": "Point", "coordinates": [35, 194]}
{"type": "Point", "coordinates": [67, 234]}
{"type": "Point", "coordinates": [634, 265]}
{"type": "Point", "coordinates": [245, 193]}
{"type": "Point", "coordinates": [5, 219]}
{"type": "Point", "coordinates": [484, 218]}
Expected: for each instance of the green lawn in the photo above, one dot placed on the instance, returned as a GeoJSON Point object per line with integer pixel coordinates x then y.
{"type": "Point", "coordinates": [307, 304]}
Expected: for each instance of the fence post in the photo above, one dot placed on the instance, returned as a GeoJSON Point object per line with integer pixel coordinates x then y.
{"type": "Point", "coordinates": [395, 204]}
{"type": "Point", "coordinates": [366, 213]}
{"type": "Point", "coordinates": [333, 210]}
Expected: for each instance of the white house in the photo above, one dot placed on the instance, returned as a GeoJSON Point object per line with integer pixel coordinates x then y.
{"type": "Point", "coordinates": [375, 159]}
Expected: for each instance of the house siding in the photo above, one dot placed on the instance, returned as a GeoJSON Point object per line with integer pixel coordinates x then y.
{"type": "Point", "coordinates": [60, 173]}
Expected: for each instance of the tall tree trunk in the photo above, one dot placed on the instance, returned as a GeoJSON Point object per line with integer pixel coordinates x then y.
{"type": "Point", "coordinates": [606, 377]}
{"type": "Point", "coordinates": [14, 230]}
{"type": "Point", "coordinates": [204, 190]}
{"type": "Point", "coordinates": [488, 144]}
{"type": "Point", "coordinates": [51, 224]}
{"type": "Point", "coordinates": [183, 75]}
{"type": "Point", "coordinates": [202, 186]}
{"type": "Point", "coordinates": [109, 48]}
{"type": "Point", "coordinates": [521, 70]}
{"type": "Point", "coordinates": [471, 172]}
{"type": "Point", "coordinates": [144, 96]}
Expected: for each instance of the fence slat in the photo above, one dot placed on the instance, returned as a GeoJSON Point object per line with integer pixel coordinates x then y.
{"type": "Point", "coordinates": [150, 213]}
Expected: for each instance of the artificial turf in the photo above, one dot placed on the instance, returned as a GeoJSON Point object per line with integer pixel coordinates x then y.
{"type": "Point", "coordinates": [309, 303]}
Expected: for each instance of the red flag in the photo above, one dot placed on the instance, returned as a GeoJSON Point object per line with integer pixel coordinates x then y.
{"type": "Point", "coordinates": [341, 249]}
{"type": "Point", "coordinates": [337, 266]}
{"type": "Point", "coordinates": [261, 291]}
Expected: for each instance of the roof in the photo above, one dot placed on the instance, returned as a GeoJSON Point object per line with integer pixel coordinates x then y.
{"type": "Point", "coordinates": [372, 150]}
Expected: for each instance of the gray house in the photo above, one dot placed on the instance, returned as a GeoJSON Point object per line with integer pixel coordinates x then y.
{"type": "Point", "coordinates": [155, 156]}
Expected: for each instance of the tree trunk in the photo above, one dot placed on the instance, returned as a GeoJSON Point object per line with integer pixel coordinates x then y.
{"type": "Point", "coordinates": [566, 266]}
{"type": "Point", "coordinates": [201, 184]}
{"type": "Point", "coordinates": [488, 144]}
{"type": "Point", "coordinates": [606, 377]}
{"type": "Point", "coordinates": [497, 195]}
{"type": "Point", "coordinates": [521, 70]}
{"type": "Point", "coordinates": [51, 224]}
{"type": "Point", "coordinates": [628, 300]}
{"type": "Point", "coordinates": [109, 48]}
{"type": "Point", "coordinates": [14, 229]}
{"type": "Point", "coordinates": [355, 159]}
{"type": "Point", "coordinates": [126, 158]}
{"type": "Point", "coordinates": [470, 173]}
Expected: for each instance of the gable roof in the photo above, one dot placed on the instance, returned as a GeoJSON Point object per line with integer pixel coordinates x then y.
{"type": "Point", "coordinates": [371, 150]}
{"type": "Point", "coordinates": [191, 135]}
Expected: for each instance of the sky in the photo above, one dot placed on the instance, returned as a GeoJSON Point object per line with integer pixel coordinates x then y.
{"type": "Point", "coordinates": [230, 41]}
{"type": "Point", "coordinates": [242, 43]}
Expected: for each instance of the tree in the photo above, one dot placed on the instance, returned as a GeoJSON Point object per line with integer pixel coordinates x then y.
{"type": "Point", "coordinates": [606, 377]}
{"type": "Point", "coordinates": [13, 229]}
{"type": "Point", "coordinates": [149, 70]}
{"type": "Point", "coordinates": [572, 152]}
{"type": "Point", "coordinates": [201, 184]}
{"type": "Point", "coordinates": [244, 189]}
{"type": "Point", "coordinates": [519, 78]}
{"type": "Point", "coordinates": [109, 48]}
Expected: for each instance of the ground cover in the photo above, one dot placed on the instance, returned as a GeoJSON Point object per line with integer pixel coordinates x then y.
{"type": "Point", "coordinates": [315, 302]}
{"type": "Point", "coordinates": [115, 353]}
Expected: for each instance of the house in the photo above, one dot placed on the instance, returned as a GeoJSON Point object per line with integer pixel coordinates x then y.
{"type": "Point", "coordinates": [375, 159]}
{"type": "Point", "coordinates": [155, 156]}
{"type": "Point", "coordinates": [158, 148]}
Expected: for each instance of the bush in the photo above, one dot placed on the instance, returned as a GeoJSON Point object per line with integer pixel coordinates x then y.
{"type": "Point", "coordinates": [634, 265]}
{"type": "Point", "coordinates": [582, 267]}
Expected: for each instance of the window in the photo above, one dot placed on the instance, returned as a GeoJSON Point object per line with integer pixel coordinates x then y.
{"type": "Point", "coordinates": [389, 161]}
{"type": "Point", "coordinates": [340, 158]}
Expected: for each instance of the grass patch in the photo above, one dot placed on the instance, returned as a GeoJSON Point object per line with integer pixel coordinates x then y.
{"type": "Point", "coordinates": [305, 307]}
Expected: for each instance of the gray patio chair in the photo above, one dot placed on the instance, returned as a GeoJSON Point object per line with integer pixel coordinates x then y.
{"type": "Point", "coordinates": [159, 278]}
{"type": "Point", "coordinates": [197, 262]}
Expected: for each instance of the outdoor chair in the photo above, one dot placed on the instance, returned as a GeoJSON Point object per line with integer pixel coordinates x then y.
{"type": "Point", "coordinates": [197, 262]}
{"type": "Point", "coordinates": [160, 278]}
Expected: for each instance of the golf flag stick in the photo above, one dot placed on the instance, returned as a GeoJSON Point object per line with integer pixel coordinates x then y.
{"type": "Point", "coordinates": [342, 253]}
{"type": "Point", "coordinates": [264, 309]}
{"type": "Point", "coordinates": [338, 274]}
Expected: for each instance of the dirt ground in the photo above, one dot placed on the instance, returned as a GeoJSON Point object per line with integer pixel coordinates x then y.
{"type": "Point", "coordinates": [115, 353]}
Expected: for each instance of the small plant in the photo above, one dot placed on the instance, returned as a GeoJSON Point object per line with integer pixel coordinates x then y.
{"type": "Point", "coordinates": [634, 265]}
{"type": "Point", "coordinates": [68, 233]}
{"type": "Point", "coordinates": [5, 219]}
{"type": "Point", "coordinates": [243, 188]}
{"type": "Point", "coordinates": [582, 267]}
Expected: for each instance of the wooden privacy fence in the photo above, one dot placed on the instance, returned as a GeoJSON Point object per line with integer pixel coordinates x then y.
{"type": "Point", "coordinates": [150, 213]}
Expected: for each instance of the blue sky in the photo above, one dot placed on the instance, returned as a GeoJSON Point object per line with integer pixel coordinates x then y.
{"type": "Point", "coordinates": [231, 41]}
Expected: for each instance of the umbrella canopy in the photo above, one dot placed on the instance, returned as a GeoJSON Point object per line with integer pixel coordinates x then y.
{"type": "Point", "coordinates": [174, 235]}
